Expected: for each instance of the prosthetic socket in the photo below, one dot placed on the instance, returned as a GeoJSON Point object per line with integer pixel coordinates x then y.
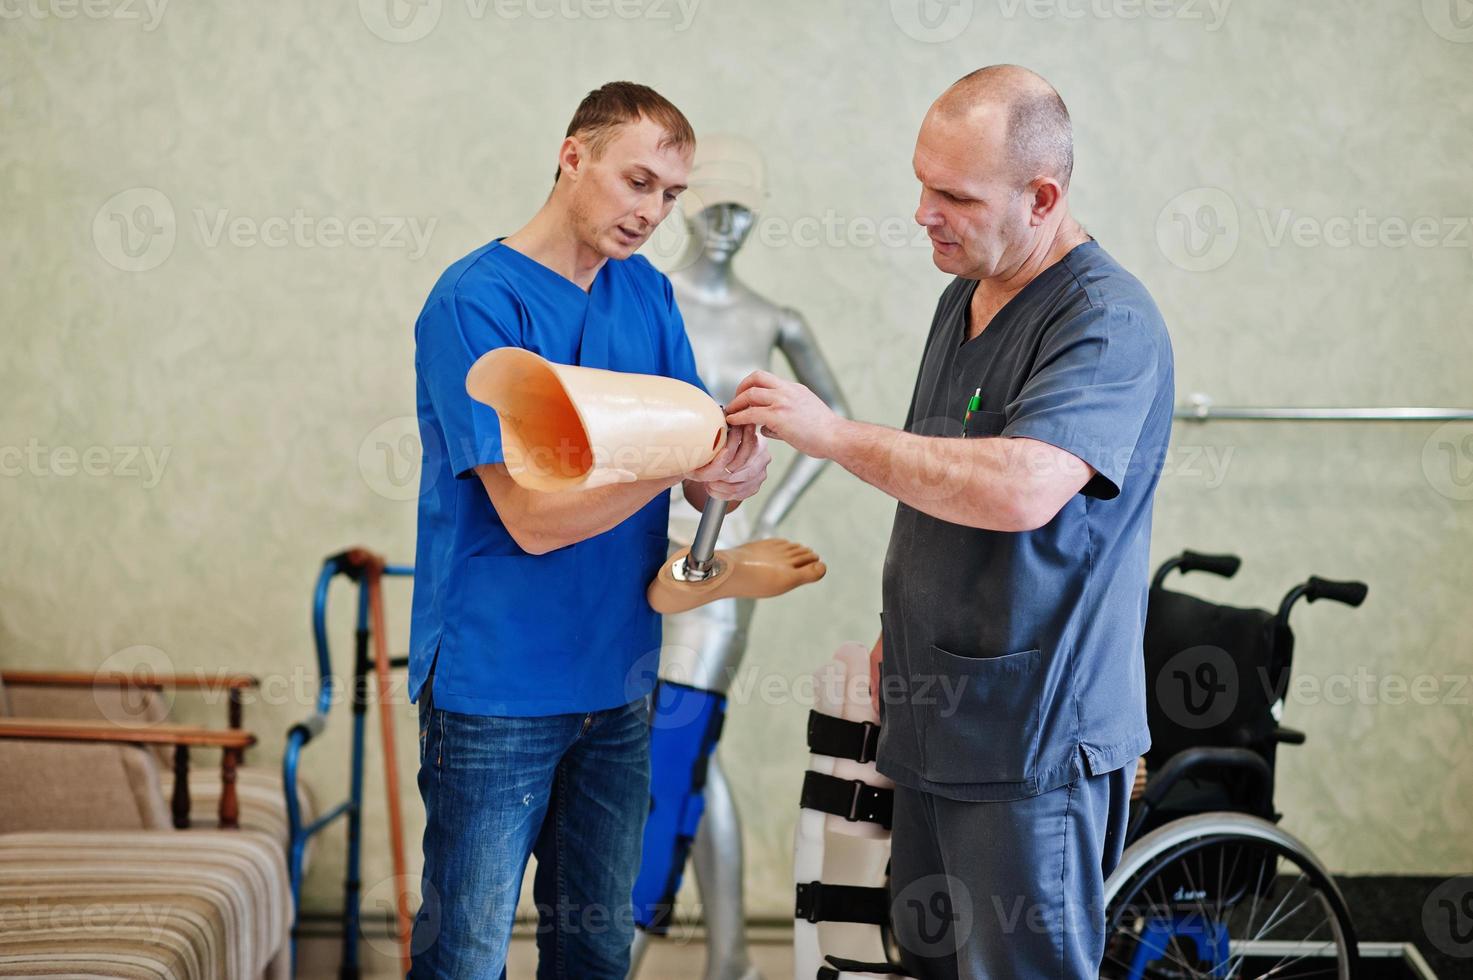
{"type": "Point", "coordinates": [565, 427]}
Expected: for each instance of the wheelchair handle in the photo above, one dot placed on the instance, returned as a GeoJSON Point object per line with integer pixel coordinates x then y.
{"type": "Point", "coordinates": [1195, 561]}
{"type": "Point", "coordinates": [1225, 565]}
{"type": "Point", "coordinates": [1350, 593]}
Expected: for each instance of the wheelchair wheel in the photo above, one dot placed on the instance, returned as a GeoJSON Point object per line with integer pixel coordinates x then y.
{"type": "Point", "coordinates": [1225, 896]}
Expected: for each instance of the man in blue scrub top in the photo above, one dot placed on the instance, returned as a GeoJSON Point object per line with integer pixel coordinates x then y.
{"type": "Point", "coordinates": [531, 638]}
{"type": "Point", "coordinates": [1009, 665]}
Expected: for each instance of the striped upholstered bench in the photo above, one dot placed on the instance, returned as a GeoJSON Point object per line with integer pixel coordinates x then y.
{"type": "Point", "coordinates": [206, 905]}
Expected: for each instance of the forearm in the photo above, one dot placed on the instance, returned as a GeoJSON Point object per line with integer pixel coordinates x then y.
{"type": "Point", "coordinates": [542, 522]}
{"type": "Point", "coordinates": [979, 483]}
{"type": "Point", "coordinates": [567, 518]}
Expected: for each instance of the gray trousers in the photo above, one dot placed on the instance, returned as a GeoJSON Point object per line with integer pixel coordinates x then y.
{"type": "Point", "coordinates": [1007, 891]}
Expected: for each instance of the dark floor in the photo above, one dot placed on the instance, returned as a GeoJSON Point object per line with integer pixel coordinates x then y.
{"type": "Point", "coordinates": [1385, 909]}
{"type": "Point", "coordinates": [1391, 908]}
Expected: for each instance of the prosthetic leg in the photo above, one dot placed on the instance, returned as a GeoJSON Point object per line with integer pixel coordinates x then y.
{"type": "Point", "coordinates": [565, 427]}
{"type": "Point", "coordinates": [841, 849]}
{"type": "Point", "coordinates": [703, 648]}
{"type": "Point", "coordinates": [687, 782]}
{"type": "Point", "coordinates": [568, 428]}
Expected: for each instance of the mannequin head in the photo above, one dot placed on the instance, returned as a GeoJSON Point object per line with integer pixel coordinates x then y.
{"type": "Point", "coordinates": [720, 230]}
{"type": "Point", "coordinates": [727, 189]}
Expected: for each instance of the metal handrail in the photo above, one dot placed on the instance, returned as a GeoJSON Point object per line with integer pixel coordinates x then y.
{"type": "Point", "coordinates": [1200, 408]}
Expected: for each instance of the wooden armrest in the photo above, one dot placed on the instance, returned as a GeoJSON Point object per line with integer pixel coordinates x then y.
{"type": "Point", "coordinates": [232, 683]}
{"type": "Point", "coordinates": [162, 733]}
{"type": "Point", "coordinates": [77, 678]}
{"type": "Point", "coordinates": [233, 742]}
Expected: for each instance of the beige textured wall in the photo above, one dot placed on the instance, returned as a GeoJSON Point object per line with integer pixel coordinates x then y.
{"type": "Point", "coordinates": [181, 290]}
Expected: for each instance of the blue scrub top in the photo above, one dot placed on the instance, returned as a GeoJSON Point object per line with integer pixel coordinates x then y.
{"type": "Point", "coordinates": [1013, 662]}
{"type": "Point", "coordinates": [506, 632]}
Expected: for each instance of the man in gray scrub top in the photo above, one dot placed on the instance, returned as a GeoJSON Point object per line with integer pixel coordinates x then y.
{"type": "Point", "coordinates": [1009, 663]}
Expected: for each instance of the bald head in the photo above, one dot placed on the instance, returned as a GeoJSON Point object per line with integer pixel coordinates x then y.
{"type": "Point", "coordinates": [1037, 134]}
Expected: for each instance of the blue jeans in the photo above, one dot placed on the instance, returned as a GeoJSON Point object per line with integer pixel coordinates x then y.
{"type": "Point", "coordinates": [572, 790]}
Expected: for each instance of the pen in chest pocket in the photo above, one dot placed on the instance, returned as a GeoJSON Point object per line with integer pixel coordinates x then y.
{"type": "Point", "coordinates": [974, 405]}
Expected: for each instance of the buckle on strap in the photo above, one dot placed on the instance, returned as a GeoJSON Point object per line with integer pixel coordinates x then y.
{"type": "Point", "coordinates": [852, 799]}
{"type": "Point", "coordinates": [805, 906]}
{"type": "Point", "coordinates": [865, 803]}
{"type": "Point", "coordinates": [869, 748]}
{"type": "Point", "coordinates": [841, 738]}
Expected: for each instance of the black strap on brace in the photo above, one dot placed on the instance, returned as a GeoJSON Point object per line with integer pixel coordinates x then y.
{"type": "Point", "coordinates": [818, 902]}
{"type": "Point", "coordinates": [852, 799]}
{"type": "Point", "coordinates": [842, 739]}
{"type": "Point", "coordinates": [837, 965]}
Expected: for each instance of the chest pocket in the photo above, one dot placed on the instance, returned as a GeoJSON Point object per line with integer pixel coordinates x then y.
{"type": "Point", "coordinates": [983, 424]}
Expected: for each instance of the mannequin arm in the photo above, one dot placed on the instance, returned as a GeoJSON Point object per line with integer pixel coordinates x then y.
{"type": "Point", "coordinates": [800, 348]}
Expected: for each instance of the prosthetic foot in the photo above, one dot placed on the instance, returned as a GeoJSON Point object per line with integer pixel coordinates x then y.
{"type": "Point", "coordinates": [756, 570]}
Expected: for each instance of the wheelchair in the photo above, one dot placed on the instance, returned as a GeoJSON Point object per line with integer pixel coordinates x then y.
{"type": "Point", "coordinates": [1209, 886]}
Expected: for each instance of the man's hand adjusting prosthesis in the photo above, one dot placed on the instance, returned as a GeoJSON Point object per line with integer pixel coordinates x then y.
{"type": "Point", "coordinates": [565, 427]}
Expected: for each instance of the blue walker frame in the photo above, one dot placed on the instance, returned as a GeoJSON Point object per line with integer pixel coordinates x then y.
{"type": "Point", "coordinates": [304, 731]}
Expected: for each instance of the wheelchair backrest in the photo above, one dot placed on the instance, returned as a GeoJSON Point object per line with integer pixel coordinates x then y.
{"type": "Point", "coordinates": [1213, 674]}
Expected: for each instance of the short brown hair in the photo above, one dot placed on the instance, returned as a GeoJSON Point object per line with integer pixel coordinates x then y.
{"type": "Point", "coordinates": [610, 106]}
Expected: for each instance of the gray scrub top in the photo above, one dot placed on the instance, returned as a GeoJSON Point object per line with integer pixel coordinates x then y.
{"type": "Point", "coordinates": [1013, 660]}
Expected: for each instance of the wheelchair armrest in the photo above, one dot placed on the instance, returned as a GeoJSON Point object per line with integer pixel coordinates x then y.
{"type": "Point", "coordinates": [1189, 762]}
{"type": "Point", "coordinates": [1288, 736]}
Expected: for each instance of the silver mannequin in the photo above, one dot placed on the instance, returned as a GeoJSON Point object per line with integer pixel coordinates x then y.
{"type": "Point", "coordinates": [734, 332]}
